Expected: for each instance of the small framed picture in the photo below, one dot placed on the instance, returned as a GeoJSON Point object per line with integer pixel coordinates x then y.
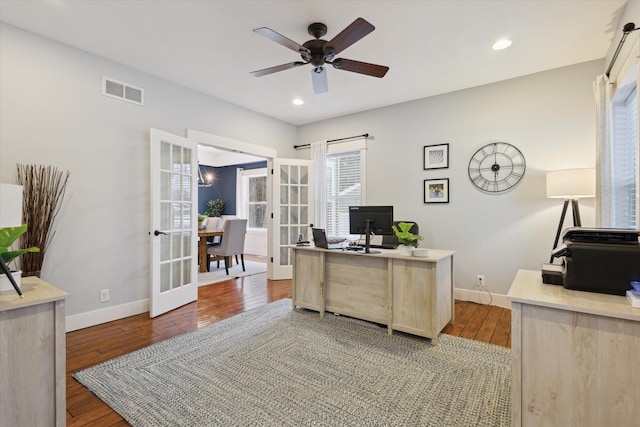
{"type": "Point", "coordinates": [436, 156]}
{"type": "Point", "coordinates": [436, 190]}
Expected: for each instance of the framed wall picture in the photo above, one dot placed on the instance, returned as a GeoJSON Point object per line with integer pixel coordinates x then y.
{"type": "Point", "coordinates": [436, 190]}
{"type": "Point", "coordinates": [436, 156]}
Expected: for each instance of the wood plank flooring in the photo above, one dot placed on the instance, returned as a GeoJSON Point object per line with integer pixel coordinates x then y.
{"type": "Point", "coordinates": [89, 346]}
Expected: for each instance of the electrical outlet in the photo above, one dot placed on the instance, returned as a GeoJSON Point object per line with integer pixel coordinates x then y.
{"type": "Point", "coordinates": [104, 295]}
{"type": "Point", "coordinates": [480, 280]}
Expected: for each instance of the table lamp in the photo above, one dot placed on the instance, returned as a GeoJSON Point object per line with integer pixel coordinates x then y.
{"type": "Point", "coordinates": [570, 185]}
{"type": "Point", "coordinates": [10, 216]}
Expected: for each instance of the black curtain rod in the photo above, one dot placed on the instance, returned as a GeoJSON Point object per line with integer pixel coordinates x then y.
{"type": "Point", "coordinates": [626, 30]}
{"type": "Point", "coordinates": [364, 135]}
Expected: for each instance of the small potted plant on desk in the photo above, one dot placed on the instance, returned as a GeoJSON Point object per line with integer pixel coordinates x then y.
{"type": "Point", "coordinates": [9, 235]}
{"type": "Point", "coordinates": [408, 241]}
{"type": "Point", "coordinates": [201, 219]}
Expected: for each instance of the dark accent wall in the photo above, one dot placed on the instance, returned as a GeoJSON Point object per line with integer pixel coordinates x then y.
{"type": "Point", "coordinates": [224, 185]}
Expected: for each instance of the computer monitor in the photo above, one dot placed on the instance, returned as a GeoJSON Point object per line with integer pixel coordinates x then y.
{"type": "Point", "coordinates": [369, 220]}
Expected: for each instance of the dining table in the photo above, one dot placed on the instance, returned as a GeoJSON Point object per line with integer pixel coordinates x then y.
{"type": "Point", "coordinates": [203, 233]}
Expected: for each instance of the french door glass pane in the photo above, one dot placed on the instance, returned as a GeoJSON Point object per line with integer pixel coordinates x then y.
{"type": "Point", "coordinates": [176, 276]}
{"type": "Point", "coordinates": [165, 155]}
{"type": "Point", "coordinates": [165, 271]}
{"type": "Point", "coordinates": [186, 270]}
{"type": "Point", "coordinates": [284, 195]}
{"type": "Point", "coordinates": [165, 185]}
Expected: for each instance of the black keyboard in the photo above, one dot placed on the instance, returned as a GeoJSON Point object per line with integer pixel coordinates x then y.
{"type": "Point", "coordinates": [383, 246]}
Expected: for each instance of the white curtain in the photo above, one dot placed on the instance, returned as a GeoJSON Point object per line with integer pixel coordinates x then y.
{"type": "Point", "coordinates": [318, 155]}
{"type": "Point", "coordinates": [602, 92]}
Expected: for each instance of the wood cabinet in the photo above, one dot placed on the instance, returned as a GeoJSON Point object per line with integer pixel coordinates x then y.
{"type": "Point", "coordinates": [408, 294]}
{"type": "Point", "coordinates": [575, 356]}
{"type": "Point", "coordinates": [32, 358]}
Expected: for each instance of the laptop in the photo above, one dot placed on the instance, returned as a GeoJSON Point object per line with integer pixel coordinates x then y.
{"type": "Point", "coordinates": [320, 238]}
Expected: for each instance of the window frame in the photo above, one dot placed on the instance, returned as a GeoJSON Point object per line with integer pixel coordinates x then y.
{"type": "Point", "coordinates": [242, 196]}
{"type": "Point", "coordinates": [346, 149]}
{"type": "Point", "coordinates": [624, 85]}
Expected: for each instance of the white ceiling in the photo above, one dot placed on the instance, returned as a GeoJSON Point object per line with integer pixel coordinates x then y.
{"type": "Point", "coordinates": [431, 47]}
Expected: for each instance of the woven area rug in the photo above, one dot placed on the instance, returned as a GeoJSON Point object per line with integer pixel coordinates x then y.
{"type": "Point", "coordinates": [219, 274]}
{"type": "Point", "coordinates": [276, 367]}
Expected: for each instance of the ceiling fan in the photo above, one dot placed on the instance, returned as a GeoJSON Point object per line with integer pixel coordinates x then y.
{"type": "Point", "coordinates": [319, 52]}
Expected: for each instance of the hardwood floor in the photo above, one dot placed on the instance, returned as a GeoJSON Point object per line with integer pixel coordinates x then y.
{"type": "Point", "coordinates": [89, 346]}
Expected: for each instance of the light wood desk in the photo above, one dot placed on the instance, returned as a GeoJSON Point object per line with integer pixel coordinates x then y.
{"type": "Point", "coordinates": [575, 356]}
{"type": "Point", "coordinates": [203, 233]}
{"type": "Point", "coordinates": [32, 362]}
{"type": "Point", "coordinates": [408, 294]}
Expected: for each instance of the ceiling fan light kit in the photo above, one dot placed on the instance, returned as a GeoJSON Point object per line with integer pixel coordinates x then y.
{"type": "Point", "coordinates": [318, 52]}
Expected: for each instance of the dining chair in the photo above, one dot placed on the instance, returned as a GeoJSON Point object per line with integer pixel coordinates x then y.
{"type": "Point", "coordinates": [233, 235]}
{"type": "Point", "coordinates": [214, 223]}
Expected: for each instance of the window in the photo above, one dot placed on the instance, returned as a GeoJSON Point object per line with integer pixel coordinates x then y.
{"type": "Point", "coordinates": [624, 159]}
{"type": "Point", "coordinates": [251, 197]}
{"type": "Point", "coordinates": [618, 142]}
{"type": "Point", "coordinates": [257, 202]}
{"type": "Point", "coordinates": [343, 178]}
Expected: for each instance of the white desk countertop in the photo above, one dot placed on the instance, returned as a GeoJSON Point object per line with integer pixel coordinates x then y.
{"type": "Point", "coordinates": [527, 288]}
{"type": "Point", "coordinates": [434, 254]}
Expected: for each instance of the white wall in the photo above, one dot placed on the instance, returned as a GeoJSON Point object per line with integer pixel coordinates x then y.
{"type": "Point", "coordinates": [549, 116]}
{"type": "Point", "coordinates": [52, 112]}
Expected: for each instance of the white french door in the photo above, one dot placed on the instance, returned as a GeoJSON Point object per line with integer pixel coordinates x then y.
{"type": "Point", "coordinates": [293, 197]}
{"type": "Point", "coordinates": [173, 235]}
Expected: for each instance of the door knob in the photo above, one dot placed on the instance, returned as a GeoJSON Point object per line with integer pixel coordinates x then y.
{"type": "Point", "coordinates": [158, 232]}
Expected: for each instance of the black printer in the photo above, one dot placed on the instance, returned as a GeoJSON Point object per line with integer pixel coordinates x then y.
{"type": "Point", "coordinates": [603, 260]}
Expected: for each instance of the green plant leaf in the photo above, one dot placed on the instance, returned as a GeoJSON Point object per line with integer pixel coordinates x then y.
{"type": "Point", "coordinates": [405, 237]}
{"type": "Point", "coordinates": [9, 235]}
{"type": "Point", "coordinates": [9, 256]}
{"type": "Point", "coordinates": [215, 207]}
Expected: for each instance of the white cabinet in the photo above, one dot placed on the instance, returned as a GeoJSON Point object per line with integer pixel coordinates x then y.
{"type": "Point", "coordinates": [575, 356]}
{"type": "Point", "coordinates": [33, 356]}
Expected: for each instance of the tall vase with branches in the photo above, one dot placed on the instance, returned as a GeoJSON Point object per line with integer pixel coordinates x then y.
{"type": "Point", "coordinates": [44, 189]}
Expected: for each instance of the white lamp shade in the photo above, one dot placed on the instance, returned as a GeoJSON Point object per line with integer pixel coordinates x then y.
{"type": "Point", "coordinates": [571, 183]}
{"type": "Point", "coordinates": [10, 205]}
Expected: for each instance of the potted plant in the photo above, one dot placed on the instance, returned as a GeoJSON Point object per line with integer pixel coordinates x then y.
{"type": "Point", "coordinates": [201, 219]}
{"type": "Point", "coordinates": [406, 238]}
{"type": "Point", "coordinates": [9, 235]}
{"type": "Point", "coordinates": [215, 207]}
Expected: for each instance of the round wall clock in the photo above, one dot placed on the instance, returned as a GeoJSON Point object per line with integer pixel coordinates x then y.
{"type": "Point", "coordinates": [496, 167]}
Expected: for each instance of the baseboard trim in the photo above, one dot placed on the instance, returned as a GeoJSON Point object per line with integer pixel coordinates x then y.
{"type": "Point", "coordinates": [109, 314]}
{"type": "Point", "coordinates": [104, 315]}
{"type": "Point", "coordinates": [481, 297]}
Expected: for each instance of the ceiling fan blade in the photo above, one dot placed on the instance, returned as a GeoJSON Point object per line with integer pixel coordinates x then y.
{"type": "Point", "coordinates": [277, 68]}
{"type": "Point", "coordinates": [280, 39]}
{"type": "Point", "coordinates": [354, 32]}
{"type": "Point", "coordinates": [319, 79]}
{"type": "Point", "coordinates": [360, 67]}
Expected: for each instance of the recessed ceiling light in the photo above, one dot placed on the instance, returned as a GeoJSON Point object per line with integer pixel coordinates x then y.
{"type": "Point", "coordinates": [297, 101]}
{"type": "Point", "coordinates": [501, 44]}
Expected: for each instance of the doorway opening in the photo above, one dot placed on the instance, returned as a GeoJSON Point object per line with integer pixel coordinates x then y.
{"type": "Point", "coordinates": [229, 159]}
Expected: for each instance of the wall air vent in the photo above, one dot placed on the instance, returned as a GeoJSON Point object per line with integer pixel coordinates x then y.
{"type": "Point", "coordinates": [123, 91]}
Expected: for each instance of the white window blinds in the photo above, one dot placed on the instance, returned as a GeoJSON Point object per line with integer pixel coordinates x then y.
{"type": "Point", "coordinates": [343, 189]}
{"type": "Point", "coordinates": [624, 160]}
